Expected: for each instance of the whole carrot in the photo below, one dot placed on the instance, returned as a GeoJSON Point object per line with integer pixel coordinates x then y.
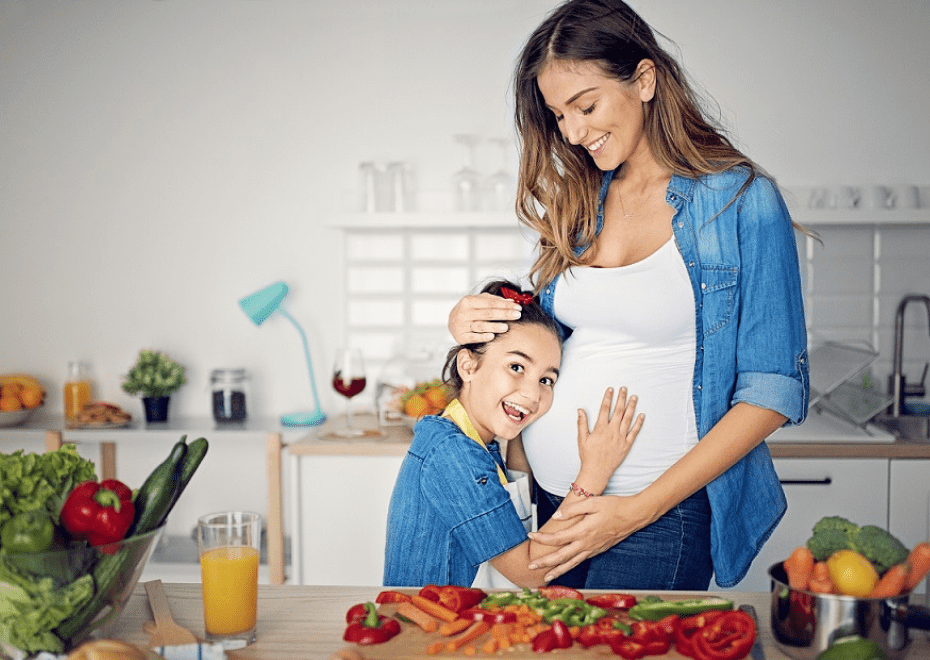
{"type": "Point", "coordinates": [891, 583]}
{"type": "Point", "coordinates": [919, 560]}
{"type": "Point", "coordinates": [798, 566]}
{"type": "Point", "coordinates": [820, 581]}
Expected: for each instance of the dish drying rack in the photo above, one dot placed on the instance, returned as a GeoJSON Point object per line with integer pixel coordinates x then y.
{"type": "Point", "coordinates": [833, 365]}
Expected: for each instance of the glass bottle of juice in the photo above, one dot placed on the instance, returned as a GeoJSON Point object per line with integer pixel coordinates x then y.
{"type": "Point", "coordinates": [77, 389]}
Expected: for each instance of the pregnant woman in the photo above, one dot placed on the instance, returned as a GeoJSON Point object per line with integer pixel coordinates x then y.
{"type": "Point", "coordinates": [669, 259]}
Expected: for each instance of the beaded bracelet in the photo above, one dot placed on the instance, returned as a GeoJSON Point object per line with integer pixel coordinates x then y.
{"type": "Point", "coordinates": [578, 490]}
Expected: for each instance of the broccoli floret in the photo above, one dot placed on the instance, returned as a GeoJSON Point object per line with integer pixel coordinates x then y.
{"type": "Point", "coordinates": [874, 543]}
{"type": "Point", "coordinates": [836, 522]}
{"type": "Point", "coordinates": [879, 547]}
{"type": "Point", "coordinates": [827, 541]}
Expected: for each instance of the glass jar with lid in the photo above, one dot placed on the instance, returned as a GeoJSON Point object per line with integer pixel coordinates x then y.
{"type": "Point", "coordinates": [229, 388]}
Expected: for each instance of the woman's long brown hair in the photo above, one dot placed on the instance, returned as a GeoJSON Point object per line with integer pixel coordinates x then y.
{"type": "Point", "coordinates": [558, 185]}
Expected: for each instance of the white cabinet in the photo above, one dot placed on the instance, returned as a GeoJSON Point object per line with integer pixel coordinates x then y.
{"type": "Point", "coordinates": [338, 517]}
{"type": "Point", "coordinates": [856, 489]}
{"type": "Point", "coordinates": [909, 504]}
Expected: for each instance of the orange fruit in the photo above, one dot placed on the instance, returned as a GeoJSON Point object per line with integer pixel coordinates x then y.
{"type": "Point", "coordinates": [417, 406]}
{"type": "Point", "coordinates": [9, 403]}
{"type": "Point", "coordinates": [31, 397]}
{"type": "Point", "coordinates": [851, 573]}
{"type": "Point", "coordinates": [436, 397]}
{"type": "Point", "coordinates": [10, 389]}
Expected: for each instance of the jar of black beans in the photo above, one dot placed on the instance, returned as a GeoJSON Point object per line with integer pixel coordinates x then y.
{"type": "Point", "coordinates": [229, 390]}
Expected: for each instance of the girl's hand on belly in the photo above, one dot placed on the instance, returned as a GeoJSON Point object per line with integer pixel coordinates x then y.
{"type": "Point", "coordinates": [602, 522]}
{"type": "Point", "coordinates": [603, 449]}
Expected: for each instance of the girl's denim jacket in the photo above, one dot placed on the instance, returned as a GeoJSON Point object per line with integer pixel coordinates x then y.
{"type": "Point", "coordinates": [742, 260]}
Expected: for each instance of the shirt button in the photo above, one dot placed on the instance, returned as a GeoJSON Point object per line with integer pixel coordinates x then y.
{"type": "Point", "coordinates": [691, 264]}
{"type": "Point", "coordinates": [700, 387]}
{"type": "Point", "coordinates": [680, 225]}
{"type": "Point", "coordinates": [703, 285]}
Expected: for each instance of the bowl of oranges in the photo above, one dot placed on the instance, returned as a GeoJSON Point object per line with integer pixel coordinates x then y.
{"type": "Point", "coordinates": [425, 398]}
{"type": "Point", "coordinates": [20, 396]}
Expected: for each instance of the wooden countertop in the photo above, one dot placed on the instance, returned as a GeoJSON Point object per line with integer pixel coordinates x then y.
{"type": "Point", "coordinates": [308, 622]}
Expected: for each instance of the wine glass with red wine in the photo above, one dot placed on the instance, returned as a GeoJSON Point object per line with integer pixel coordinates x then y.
{"type": "Point", "coordinates": [349, 380]}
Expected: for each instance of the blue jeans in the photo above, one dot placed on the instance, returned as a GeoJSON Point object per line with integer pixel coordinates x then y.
{"type": "Point", "coordinates": [673, 553]}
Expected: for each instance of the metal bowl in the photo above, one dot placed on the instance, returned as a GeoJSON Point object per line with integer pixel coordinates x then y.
{"type": "Point", "coordinates": [806, 624]}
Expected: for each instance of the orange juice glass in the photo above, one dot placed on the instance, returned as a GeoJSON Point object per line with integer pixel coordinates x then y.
{"type": "Point", "coordinates": [77, 389]}
{"type": "Point", "coordinates": [229, 553]}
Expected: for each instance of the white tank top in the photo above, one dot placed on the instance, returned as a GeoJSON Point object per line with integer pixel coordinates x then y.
{"type": "Point", "coordinates": [632, 326]}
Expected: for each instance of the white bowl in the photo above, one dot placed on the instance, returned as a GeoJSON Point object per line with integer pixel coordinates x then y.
{"type": "Point", "coordinates": [16, 417]}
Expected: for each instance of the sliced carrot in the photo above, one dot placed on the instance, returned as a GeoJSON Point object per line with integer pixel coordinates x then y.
{"type": "Point", "coordinates": [892, 582]}
{"type": "Point", "coordinates": [798, 566]}
{"type": "Point", "coordinates": [435, 648]}
{"type": "Point", "coordinates": [503, 643]}
{"type": "Point", "coordinates": [501, 630]}
{"type": "Point", "coordinates": [434, 609]}
{"type": "Point", "coordinates": [919, 560]}
{"type": "Point", "coordinates": [418, 616]}
{"type": "Point", "coordinates": [490, 647]}
{"type": "Point", "coordinates": [450, 628]}
{"type": "Point", "coordinates": [470, 635]}
{"type": "Point", "coordinates": [469, 650]}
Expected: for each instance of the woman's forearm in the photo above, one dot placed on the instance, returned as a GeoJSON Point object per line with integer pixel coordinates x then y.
{"type": "Point", "coordinates": [735, 435]}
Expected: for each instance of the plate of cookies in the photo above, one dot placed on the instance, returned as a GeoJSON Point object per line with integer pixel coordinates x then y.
{"type": "Point", "coordinates": [100, 415]}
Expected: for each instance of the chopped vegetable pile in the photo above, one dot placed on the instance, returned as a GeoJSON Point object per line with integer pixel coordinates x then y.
{"type": "Point", "coordinates": [468, 621]}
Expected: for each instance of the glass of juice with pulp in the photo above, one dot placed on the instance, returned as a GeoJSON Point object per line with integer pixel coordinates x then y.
{"type": "Point", "coordinates": [229, 550]}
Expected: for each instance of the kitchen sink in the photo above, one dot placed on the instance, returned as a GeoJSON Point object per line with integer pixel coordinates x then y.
{"type": "Point", "coordinates": [906, 427]}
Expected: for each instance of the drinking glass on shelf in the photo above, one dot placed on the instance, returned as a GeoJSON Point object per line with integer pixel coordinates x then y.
{"type": "Point", "coordinates": [500, 190]}
{"type": "Point", "coordinates": [349, 380]}
{"type": "Point", "coordinates": [466, 181]}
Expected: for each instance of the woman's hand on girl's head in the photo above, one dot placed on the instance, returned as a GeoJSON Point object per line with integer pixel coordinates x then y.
{"type": "Point", "coordinates": [477, 319]}
{"type": "Point", "coordinates": [603, 449]}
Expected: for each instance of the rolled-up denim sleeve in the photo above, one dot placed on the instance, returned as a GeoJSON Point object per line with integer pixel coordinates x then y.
{"type": "Point", "coordinates": [771, 351]}
{"type": "Point", "coordinates": [466, 490]}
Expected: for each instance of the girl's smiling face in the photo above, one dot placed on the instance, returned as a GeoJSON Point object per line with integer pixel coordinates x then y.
{"type": "Point", "coordinates": [511, 384]}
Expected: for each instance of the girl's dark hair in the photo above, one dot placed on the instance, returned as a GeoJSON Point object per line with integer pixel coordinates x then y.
{"type": "Point", "coordinates": [532, 313]}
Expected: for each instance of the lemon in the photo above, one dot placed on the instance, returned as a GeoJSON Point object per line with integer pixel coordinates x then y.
{"type": "Point", "coordinates": [852, 574]}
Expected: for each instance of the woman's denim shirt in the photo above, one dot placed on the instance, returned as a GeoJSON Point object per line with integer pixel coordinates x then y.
{"type": "Point", "coordinates": [449, 511]}
{"type": "Point", "coordinates": [742, 260]}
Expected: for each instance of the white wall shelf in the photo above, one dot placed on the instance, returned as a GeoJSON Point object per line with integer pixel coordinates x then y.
{"type": "Point", "coordinates": [422, 220]}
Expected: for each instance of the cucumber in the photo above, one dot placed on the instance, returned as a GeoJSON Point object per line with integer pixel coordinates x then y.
{"type": "Point", "coordinates": [158, 492]}
{"type": "Point", "coordinates": [192, 460]}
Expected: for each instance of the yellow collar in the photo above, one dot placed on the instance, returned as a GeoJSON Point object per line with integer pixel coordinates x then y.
{"type": "Point", "coordinates": [456, 412]}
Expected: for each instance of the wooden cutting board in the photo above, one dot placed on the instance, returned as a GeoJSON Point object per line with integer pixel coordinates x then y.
{"type": "Point", "coordinates": [412, 642]}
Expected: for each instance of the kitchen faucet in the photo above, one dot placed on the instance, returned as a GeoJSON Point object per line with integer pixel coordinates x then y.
{"type": "Point", "coordinates": [898, 384]}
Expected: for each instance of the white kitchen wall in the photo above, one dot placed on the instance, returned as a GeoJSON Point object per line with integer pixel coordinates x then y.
{"type": "Point", "coordinates": [161, 159]}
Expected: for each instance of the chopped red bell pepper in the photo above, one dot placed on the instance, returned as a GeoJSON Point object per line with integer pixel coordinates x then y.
{"type": "Point", "coordinates": [554, 591]}
{"type": "Point", "coordinates": [392, 597]}
{"type": "Point", "coordinates": [489, 614]}
{"type": "Point", "coordinates": [648, 638]}
{"type": "Point", "coordinates": [101, 512]}
{"type": "Point", "coordinates": [373, 629]}
{"type": "Point", "coordinates": [452, 597]}
{"type": "Point", "coordinates": [727, 637]}
{"type": "Point", "coordinates": [613, 601]}
{"type": "Point", "coordinates": [556, 637]}
{"type": "Point", "coordinates": [628, 648]}
{"type": "Point", "coordinates": [589, 635]}
{"type": "Point", "coordinates": [689, 626]}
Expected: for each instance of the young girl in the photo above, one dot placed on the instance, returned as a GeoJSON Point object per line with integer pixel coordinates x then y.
{"type": "Point", "coordinates": [452, 509]}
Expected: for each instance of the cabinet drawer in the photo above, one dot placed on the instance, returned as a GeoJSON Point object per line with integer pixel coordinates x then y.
{"type": "Point", "coordinates": [853, 488]}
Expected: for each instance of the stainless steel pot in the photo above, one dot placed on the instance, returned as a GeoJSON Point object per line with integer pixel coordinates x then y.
{"type": "Point", "coordinates": [806, 623]}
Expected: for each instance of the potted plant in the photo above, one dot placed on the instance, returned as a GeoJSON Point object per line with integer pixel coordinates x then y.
{"type": "Point", "coordinates": [155, 376]}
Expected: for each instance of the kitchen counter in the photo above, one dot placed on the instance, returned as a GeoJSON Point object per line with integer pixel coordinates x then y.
{"type": "Point", "coordinates": [822, 435]}
{"type": "Point", "coordinates": [308, 622]}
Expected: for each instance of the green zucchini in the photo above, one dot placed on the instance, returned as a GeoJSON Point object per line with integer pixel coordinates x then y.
{"type": "Point", "coordinates": [192, 460]}
{"type": "Point", "coordinates": [158, 492]}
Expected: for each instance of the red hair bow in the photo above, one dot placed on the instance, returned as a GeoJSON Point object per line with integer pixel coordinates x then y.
{"type": "Point", "coordinates": [522, 298]}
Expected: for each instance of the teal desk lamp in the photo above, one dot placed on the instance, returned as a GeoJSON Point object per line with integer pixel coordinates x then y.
{"type": "Point", "coordinates": [259, 306]}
